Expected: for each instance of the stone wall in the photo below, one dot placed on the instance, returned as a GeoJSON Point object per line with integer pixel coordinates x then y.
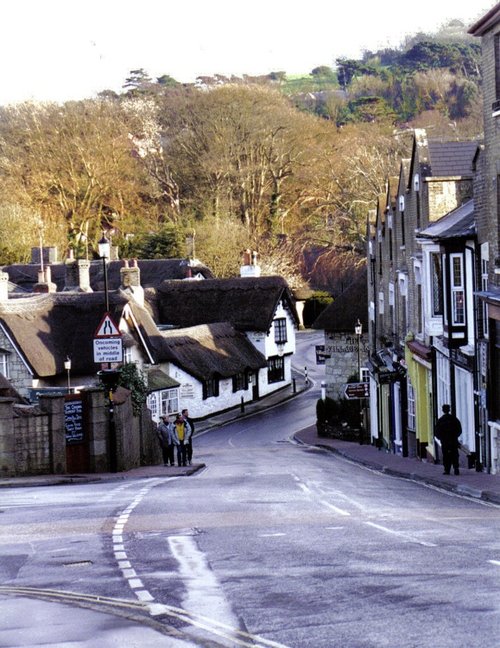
{"type": "Point", "coordinates": [343, 361]}
{"type": "Point", "coordinates": [33, 437]}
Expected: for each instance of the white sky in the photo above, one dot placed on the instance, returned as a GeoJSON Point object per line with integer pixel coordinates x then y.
{"type": "Point", "coordinates": [58, 50]}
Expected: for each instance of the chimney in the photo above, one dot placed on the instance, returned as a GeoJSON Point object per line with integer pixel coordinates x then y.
{"type": "Point", "coordinates": [4, 286]}
{"type": "Point", "coordinates": [130, 278]}
{"type": "Point", "coordinates": [77, 277]}
{"type": "Point", "coordinates": [249, 267]}
{"type": "Point", "coordinates": [45, 284]}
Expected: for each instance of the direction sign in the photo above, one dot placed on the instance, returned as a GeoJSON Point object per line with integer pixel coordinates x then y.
{"type": "Point", "coordinates": [108, 349]}
{"type": "Point", "coordinates": [107, 328]}
{"type": "Point", "coordinates": [357, 390]}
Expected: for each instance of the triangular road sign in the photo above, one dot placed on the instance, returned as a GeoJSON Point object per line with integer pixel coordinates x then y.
{"type": "Point", "coordinates": [107, 328]}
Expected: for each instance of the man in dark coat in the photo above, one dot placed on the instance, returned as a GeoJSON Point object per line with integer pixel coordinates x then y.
{"type": "Point", "coordinates": [448, 429]}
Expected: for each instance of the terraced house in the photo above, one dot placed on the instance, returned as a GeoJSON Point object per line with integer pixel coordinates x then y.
{"type": "Point", "coordinates": [421, 272]}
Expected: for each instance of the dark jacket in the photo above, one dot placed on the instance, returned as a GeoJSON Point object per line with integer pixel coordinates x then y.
{"type": "Point", "coordinates": [448, 429]}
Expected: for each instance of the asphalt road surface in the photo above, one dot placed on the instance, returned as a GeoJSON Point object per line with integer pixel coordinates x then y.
{"type": "Point", "coordinates": [273, 544]}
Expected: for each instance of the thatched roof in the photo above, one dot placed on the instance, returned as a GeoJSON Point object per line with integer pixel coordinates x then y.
{"type": "Point", "coordinates": [50, 327]}
{"type": "Point", "coordinates": [343, 313]}
{"type": "Point", "coordinates": [212, 349]}
{"type": "Point", "coordinates": [249, 303]}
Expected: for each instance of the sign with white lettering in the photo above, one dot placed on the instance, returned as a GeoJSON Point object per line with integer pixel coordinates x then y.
{"type": "Point", "coordinates": [357, 390]}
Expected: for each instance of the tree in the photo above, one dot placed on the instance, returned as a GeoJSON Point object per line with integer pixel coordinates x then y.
{"type": "Point", "coordinates": [72, 164]}
{"type": "Point", "coordinates": [133, 379]}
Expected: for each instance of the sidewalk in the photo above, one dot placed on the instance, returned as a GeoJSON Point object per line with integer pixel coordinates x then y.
{"type": "Point", "coordinates": [471, 483]}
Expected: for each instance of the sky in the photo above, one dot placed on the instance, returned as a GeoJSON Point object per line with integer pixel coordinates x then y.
{"type": "Point", "coordinates": [59, 50]}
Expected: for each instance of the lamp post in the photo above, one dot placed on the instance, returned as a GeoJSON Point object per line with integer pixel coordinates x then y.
{"type": "Point", "coordinates": [67, 366]}
{"type": "Point", "coordinates": [358, 331]}
{"type": "Point", "coordinates": [104, 248]}
{"type": "Point", "coordinates": [109, 377]}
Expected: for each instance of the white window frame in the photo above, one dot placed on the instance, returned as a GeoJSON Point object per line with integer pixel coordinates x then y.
{"type": "Point", "coordinates": [485, 258]}
{"type": "Point", "coordinates": [457, 289]}
{"type": "Point", "coordinates": [5, 364]}
{"type": "Point", "coordinates": [412, 418]}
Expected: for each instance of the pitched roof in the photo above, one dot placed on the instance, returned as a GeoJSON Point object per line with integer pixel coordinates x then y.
{"type": "Point", "coordinates": [459, 223]}
{"type": "Point", "coordinates": [451, 159]}
{"type": "Point", "coordinates": [153, 272]}
{"type": "Point", "coordinates": [50, 327]}
{"type": "Point", "coordinates": [343, 313]}
{"type": "Point", "coordinates": [249, 303]}
{"type": "Point", "coordinates": [212, 349]}
{"type": "Point", "coordinates": [486, 22]}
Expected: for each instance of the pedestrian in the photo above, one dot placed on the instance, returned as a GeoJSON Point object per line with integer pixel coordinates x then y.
{"type": "Point", "coordinates": [181, 436]}
{"type": "Point", "coordinates": [448, 429]}
{"type": "Point", "coordinates": [166, 436]}
{"type": "Point", "coordinates": [190, 428]}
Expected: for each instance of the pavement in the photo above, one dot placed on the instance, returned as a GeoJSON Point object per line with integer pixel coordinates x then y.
{"type": "Point", "coordinates": [470, 483]}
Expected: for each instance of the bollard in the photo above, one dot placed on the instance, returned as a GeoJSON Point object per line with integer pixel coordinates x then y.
{"type": "Point", "coordinates": [306, 379]}
{"type": "Point", "coordinates": [242, 405]}
{"type": "Point", "coordinates": [294, 384]}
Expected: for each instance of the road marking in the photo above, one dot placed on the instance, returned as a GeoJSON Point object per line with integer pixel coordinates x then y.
{"type": "Point", "coordinates": [271, 535]}
{"type": "Point", "coordinates": [495, 562]}
{"type": "Point", "coordinates": [311, 493]}
{"type": "Point", "coordinates": [401, 535]}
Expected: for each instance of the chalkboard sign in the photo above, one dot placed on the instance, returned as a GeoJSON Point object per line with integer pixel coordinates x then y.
{"type": "Point", "coordinates": [73, 421]}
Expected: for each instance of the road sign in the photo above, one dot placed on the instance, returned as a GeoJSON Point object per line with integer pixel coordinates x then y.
{"type": "Point", "coordinates": [107, 328]}
{"type": "Point", "coordinates": [357, 390]}
{"type": "Point", "coordinates": [108, 349]}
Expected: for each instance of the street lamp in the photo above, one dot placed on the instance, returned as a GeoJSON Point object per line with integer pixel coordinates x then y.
{"type": "Point", "coordinates": [67, 366]}
{"type": "Point", "coordinates": [104, 248]}
{"type": "Point", "coordinates": [358, 331]}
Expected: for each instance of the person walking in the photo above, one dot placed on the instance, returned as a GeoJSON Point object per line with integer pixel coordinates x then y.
{"type": "Point", "coordinates": [190, 428]}
{"type": "Point", "coordinates": [166, 434]}
{"type": "Point", "coordinates": [448, 429]}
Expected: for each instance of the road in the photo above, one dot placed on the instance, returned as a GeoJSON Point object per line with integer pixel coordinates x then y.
{"type": "Point", "coordinates": [273, 544]}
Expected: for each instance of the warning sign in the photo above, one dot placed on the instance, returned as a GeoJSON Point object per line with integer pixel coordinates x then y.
{"type": "Point", "coordinates": [107, 328]}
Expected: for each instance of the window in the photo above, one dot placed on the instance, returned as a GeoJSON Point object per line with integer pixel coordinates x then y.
{"type": "Point", "coordinates": [402, 210]}
{"type": "Point", "coordinates": [484, 284]}
{"type": "Point", "coordinates": [457, 290]}
{"type": "Point", "coordinates": [127, 355]}
{"type": "Point", "coordinates": [495, 106]}
{"type": "Point", "coordinates": [240, 382]}
{"type": "Point", "coordinates": [275, 369]}
{"type": "Point", "coordinates": [169, 401]}
{"type": "Point", "coordinates": [436, 284]}
{"type": "Point", "coordinates": [4, 364]}
{"type": "Point", "coordinates": [365, 374]}
{"type": "Point", "coordinates": [280, 336]}
{"type": "Point", "coordinates": [411, 407]}
{"type": "Point", "coordinates": [211, 388]}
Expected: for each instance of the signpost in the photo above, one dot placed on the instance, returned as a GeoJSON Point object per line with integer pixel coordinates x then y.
{"type": "Point", "coordinates": [357, 390]}
{"type": "Point", "coordinates": [108, 345]}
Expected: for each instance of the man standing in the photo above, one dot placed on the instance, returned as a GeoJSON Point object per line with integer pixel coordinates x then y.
{"type": "Point", "coordinates": [165, 434]}
{"type": "Point", "coordinates": [448, 429]}
{"type": "Point", "coordinates": [190, 429]}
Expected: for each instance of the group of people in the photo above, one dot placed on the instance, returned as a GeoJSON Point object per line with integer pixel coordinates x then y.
{"type": "Point", "coordinates": [176, 436]}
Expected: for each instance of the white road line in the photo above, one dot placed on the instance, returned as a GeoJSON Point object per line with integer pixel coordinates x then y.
{"type": "Point", "coordinates": [495, 562]}
{"type": "Point", "coordinates": [399, 534]}
{"type": "Point", "coordinates": [309, 492]}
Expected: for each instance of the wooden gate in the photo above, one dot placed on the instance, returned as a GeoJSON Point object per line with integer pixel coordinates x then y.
{"type": "Point", "coordinates": [77, 442]}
